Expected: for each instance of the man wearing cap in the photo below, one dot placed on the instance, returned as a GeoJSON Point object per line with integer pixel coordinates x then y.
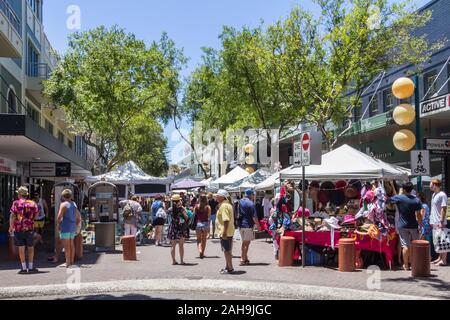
{"type": "Point", "coordinates": [21, 222]}
{"type": "Point", "coordinates": [225, 228]}
{"type": "Point", "coordinates": [246, 222]}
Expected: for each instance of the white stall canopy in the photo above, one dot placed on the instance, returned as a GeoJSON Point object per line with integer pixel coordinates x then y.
{"type": "Point", "coordinates": [270, 183]}
{"type": "Point", "coordinates": [348, 163]}
{"type": "Point", "coordinates": [249, 182]}
{"type": "Point", "coordinates": [231, 177]}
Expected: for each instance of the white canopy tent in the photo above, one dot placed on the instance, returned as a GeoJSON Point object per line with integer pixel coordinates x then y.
{"type": "Point", "coordinates": [346, 162]}
{"type": "Point", "coordinates": [231, 177]}
{"type": "Point", "coordinates": [270, 183]}
{"type": "Point", "coordinates": [249, 182]}
{"type": "Point", "coordinates": [131, 175]}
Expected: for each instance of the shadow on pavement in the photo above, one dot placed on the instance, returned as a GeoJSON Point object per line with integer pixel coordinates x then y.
{"type": "Point", "coordinates": [433, 281]}
{"type": "Point", "coordinates": [108, 297]}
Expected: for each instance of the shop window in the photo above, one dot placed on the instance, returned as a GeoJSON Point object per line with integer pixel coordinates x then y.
{"type": "Point", "coordinates": [12, 101]}
{"type": "Point", "coordinates": [70, 144]}
{"type": "Point", "coordinates": [60, 136]}
{"type": "Point", "coordinates": [357, 113]}
{"type": "Point", "coordinates": [373, 107]}
{"type": "Point", "coordinates": [428, 80]}
{"type": "Point", "coordinates": [33, 114]}
{"type": "Point", "coordinates": [49, 127]}
{"type": "Point", "coordinates": [388, 100]}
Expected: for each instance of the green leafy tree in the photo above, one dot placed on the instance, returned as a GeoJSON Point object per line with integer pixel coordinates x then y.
{"type": "Point", "coordinates": [115, 91]}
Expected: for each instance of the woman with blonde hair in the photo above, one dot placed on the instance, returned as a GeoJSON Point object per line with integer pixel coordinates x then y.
{"type": "Point", "coordinates": [202, 216]}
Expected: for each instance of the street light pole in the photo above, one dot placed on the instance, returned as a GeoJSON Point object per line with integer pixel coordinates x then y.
{"type": "Point", "coordinates": [418, 125]}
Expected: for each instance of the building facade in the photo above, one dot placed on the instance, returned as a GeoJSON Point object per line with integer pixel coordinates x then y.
{"type": "Point", "coordinates": [33, 134]}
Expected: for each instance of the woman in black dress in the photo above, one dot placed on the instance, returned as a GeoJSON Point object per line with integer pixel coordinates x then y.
{"type": "Point", "coordinates": [178, 228]}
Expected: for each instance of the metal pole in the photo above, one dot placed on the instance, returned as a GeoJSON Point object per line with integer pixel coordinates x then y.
{"type": "Point", "coordinates": [418, 126]}
{"type": "Point", "coordinates": [303, 216]}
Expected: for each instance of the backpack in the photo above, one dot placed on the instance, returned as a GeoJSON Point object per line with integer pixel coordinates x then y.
{"type": "Point", "coordinates": [128, 212]}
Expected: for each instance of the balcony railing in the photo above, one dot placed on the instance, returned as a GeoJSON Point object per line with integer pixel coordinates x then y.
{"type": "Point", "coordinates": [38, 70]}
{"type": "Point", "coordinates": [11, 15]}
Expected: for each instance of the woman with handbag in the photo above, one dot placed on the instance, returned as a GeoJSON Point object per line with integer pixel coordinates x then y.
{"type": "Point", "coordinates": [202, 213]}
{"type": "Point", "coordinates": [178, 228]}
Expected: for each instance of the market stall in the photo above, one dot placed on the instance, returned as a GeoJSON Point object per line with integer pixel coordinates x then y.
{"type": "Point", "coordinates": [249, 182]}
{"type": "Point", "coordinates": [231, 177]}
{"type": "Point", "coordinates": [270, 183]}
{"type": "Point", "coordinates": [187, 184]}
{"type": "Point", "coordinates": [348, 192]}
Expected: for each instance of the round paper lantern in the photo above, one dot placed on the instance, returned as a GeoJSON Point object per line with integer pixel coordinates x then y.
{"type": "Point", "coordinates": [250, 170]}
{"type": "Point", "coordinates": [403, 88]}
{"type": "Point", "coordinates": [404, 114]}
{"type": "Point", "coordinates": [249, 148]}
{"type": "Point", "coordinates": [404, 140]}
{"type": "Point", "coordinates": [250, 160]}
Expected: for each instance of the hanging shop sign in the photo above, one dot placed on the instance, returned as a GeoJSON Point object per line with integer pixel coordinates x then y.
{"type": "Point", "coordinates": [50, 169]}
{"type": "Point", "coordinates": [8, 166]}
{"type": "Point", "coordinates": [435, 105]}
{"type": "Point", "coordinates": [438, 146]}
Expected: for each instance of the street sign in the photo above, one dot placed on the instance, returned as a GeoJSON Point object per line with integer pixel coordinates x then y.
{"type": "Point", "coordinates": [308, 149]}
{"type": "Point", "coordinates": [420, 163]}
{"type": "Point", "coordinates": [438, 146]}
{"type": "Point", "coordinates": [50, 170]}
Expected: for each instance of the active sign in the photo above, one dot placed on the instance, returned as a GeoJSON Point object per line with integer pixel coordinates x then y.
{"type": "Point", "coordinates": [420, 163]}
{"type": "Point", "coordinates": [435, 105]}
{"type": "Point", "coordinates": [308, 149]}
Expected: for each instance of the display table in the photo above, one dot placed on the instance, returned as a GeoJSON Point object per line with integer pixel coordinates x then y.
{"type": "Point", "coordinates": [363, 243]}
{"type": "Point", "coordinates": [105, 236]}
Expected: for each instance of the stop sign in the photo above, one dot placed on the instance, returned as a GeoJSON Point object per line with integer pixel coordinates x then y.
{"type": "Point", "coordinates": [306, 142]}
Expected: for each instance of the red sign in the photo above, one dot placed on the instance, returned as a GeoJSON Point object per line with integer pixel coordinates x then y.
{"type": "Point", "coordinates": [306, 142]}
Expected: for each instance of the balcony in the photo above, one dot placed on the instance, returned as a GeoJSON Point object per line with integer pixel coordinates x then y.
{"type": "Point", "coordinates": [11, 45]}
{"type": "Point", "coordinates": [36, 73]}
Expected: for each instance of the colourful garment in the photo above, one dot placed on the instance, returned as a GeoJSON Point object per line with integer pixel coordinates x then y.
{"type": "Point", "coordinates": [25, 211]}
{"type": "Point", "coordinates": [427, 230]}
{"type": "Point", "coordinates": [178, 227]}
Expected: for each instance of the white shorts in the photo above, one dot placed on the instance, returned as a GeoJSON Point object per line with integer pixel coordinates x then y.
{"type": "Point", "coordinates": [130, 230]}
{"type": "Point", "coordinates": [247, 234]}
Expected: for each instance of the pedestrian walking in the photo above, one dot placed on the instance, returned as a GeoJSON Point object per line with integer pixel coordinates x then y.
{"type": "Point", "coordinates": [225, 228]}
{"type": "Point", "coordinates": [438, 216]}
{"type": "Point", "coordinates": [178, 229]}
{"type": "Point", "coordinates": [160, 216]}
{"type": "Point", "coordinates": [39, 222]}
{"type": "Point", "coordinates": [202, 216]}
{"type": "Point", "coordinates": [69, 226]}
{"type": "Point", "coordinates": [132, 210]}
{"type": "Point", "coordinates": [213, 205]}
{"type": "Point", "coordinates": [21, 223]}
{"type": "Point", "coordinates": [410, 220]}
{"type": "Point", "coordinates": [247, 220]}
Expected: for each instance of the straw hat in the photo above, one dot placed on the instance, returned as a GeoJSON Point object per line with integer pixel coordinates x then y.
{"type": "Point", "coordinates": [23, 191]}
{"type": "Point", "coordinates": [176, 197]}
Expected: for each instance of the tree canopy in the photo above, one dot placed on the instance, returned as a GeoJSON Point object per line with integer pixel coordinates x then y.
{"type": "Point", "coordinates": [116, 92]}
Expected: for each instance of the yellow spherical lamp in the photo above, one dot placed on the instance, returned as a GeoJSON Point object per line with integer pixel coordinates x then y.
{"type": "Point", "coordinates": [250, 170]}
{"type": "Point", "coordinates": [250, 160]}
{"type": "Point", "coordinates": [403, 88]}
{"type": "Point", "coordinates": [404, 114]}
{"type": "Point", "coordinates": [404, 140]}
{"type": "Point", "coordinates": [249, 148]}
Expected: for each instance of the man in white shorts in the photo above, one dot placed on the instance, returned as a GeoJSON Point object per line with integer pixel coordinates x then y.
{"type": "Point", "coordinates": [438, 215]}
{"type": "Point", "coordinates": [247, 219]}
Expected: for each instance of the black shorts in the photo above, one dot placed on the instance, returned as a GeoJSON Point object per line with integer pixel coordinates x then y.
{"type": "Point", "coordinates": [24, 239]}
{"type": "Point", "coordinates": [227, 244]}
{"type": "Point", "coordinates": [159, 222]}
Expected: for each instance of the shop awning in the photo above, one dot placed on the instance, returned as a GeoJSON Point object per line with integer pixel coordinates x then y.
{"type": "Point", "coordinates": [129, 173]}
{"type": "Point", "coordinates": [348, 163]}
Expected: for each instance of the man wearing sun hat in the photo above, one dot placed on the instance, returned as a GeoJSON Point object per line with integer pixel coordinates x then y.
{"type": "Point", "coordinates": [21, 222]}
{"type": "Point", "coordinates": [246, 222]}
{"type": "Point", "coordinates": [225, 229]}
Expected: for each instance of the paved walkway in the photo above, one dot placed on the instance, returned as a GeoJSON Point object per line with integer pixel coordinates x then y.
{"type": "Point", "coordinates": [155, 264]}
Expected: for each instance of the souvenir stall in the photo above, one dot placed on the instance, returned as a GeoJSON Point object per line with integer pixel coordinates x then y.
{"type": "Point", "coordinates": [103, 214]}
{"type": "Point", "coordinates": [347, 199]}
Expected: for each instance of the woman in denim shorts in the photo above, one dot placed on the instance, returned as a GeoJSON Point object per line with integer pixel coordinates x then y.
{"type": "Point", "coordinates": [202, 216]}
{"type": "Point", "coordinates": [69, 224]}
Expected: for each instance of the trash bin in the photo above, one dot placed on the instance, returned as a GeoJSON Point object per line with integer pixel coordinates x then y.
{"type": "Point", "coordinates": [129, 248]}
{"type": "Point", "coordinates": [287, 249]}
{"type": "Point", "coordinates": [420, 258]}
{"type": "Point", "coordinates": [347, 257]}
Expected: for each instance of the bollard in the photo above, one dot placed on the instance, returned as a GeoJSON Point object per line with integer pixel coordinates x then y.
{"type": "Point", "coordinates": [12, 249]}
{"type": "Point", "coordinates": [287, 248]}
{"type": "Point", "coordinates": [347, 255]}
{"type": "Point", "coordinates": [79, 247]}
{"type": "Point", "coordinates": [420, 258]}
{"type": "Point", "coordinates": [129, 248]}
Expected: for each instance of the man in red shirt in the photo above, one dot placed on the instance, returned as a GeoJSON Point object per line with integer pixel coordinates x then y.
{"type": "Point", "coordinates": [21, 222]}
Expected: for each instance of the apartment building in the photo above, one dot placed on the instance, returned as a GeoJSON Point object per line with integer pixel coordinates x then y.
{"type": "Point", "coordinates": [36, 145]}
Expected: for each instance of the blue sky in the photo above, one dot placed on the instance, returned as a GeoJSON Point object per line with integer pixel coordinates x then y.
{"type": "Point", "coordinates": [192, 24]}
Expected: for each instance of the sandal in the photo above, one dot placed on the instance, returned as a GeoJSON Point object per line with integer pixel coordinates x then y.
{"type": "Point", "coordinates": [175, 263]}
{"type": "Point", "coordinates": [183, 264]}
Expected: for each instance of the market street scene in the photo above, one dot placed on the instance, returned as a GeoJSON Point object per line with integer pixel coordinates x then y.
{"type": "Point", "coordinates": [225, 151]}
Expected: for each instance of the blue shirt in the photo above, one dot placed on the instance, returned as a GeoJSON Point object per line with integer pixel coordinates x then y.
{"type": "Point", "coordinates": [247, 212]}
{"type": "Point", "coordinates": [426, 227]}
{"type": "Point", "coordinates": [155, 207]}
{"type": "Point", "coordinates": [69, 222]}
{"type": "Point", "coordinates": [407, 205]}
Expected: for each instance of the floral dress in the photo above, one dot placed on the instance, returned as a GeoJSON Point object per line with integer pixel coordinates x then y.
{"type": "Point", "coordinates": [178, 227]}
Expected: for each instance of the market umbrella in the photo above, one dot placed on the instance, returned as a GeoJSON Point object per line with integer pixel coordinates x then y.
{"type": "Point", "coordinates": [188, 184]}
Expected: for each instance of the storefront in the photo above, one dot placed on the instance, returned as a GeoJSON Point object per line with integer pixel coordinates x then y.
{"type": "Point", "coordinates": [9, 182]}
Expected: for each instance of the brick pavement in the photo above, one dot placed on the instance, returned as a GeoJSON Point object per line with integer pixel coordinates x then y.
{"type": "Point", "coordinates": [155, 263]}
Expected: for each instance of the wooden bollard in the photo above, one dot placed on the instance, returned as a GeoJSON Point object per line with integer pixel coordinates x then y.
{"type": "Point", "coordinates": [78, 247]}
{"type": "Point", "coordinates": [287, 248]}
{"type": "Point", "coordinates": [12, 249]}
{"type": "Point", "coordinates": [347, 255]}
{"type": "Point", "coordinates": [129, 248]}
{"type": "Point", "coordinates": [420, 258]}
